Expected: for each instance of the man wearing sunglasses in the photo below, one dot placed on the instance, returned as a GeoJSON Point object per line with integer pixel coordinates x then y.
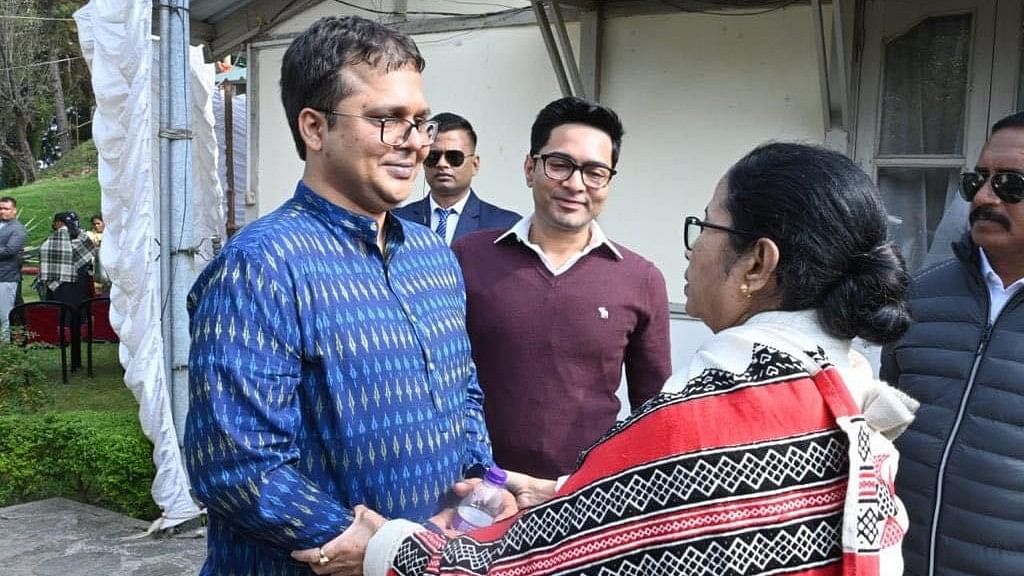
{"type": "Point", "coordinates": [962, 460]}
{"type": "Point", "coordinates": [555, 308]}
{"type": "Point", "coordinates": [330, 364]}
{"type": "Point", "coordinates": [452, 209]}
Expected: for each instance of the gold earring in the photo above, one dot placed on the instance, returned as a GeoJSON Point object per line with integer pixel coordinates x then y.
{"type": "Point", "coordinates": [745, 291]}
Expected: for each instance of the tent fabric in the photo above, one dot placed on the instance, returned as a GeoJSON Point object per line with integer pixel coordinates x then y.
{"type": "Point", "coordinates": [116, 41]}
{"type": "Point", "coordinates": [240, 118]}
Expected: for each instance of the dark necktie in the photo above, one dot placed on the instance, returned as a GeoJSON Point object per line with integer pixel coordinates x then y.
{"type": "Point", "coordinates": [442, 222]}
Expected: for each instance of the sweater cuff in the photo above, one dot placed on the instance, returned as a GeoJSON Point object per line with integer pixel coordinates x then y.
{"type": "Point", "coordinates": [383, 546]}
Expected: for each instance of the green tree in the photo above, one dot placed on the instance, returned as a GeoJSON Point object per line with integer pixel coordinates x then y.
{"type": "Point", "coordinates": [22, 83]}
{"type": "Point", "coordinates": [42, 78]}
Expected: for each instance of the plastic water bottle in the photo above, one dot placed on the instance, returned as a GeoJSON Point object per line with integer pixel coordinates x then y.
{"type": "Point", "coordinates": [480, 506]}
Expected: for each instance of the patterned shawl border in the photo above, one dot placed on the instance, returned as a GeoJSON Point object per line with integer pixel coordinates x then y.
{"type": "Point", "coordinates": [760, 448]}
{"type": "Point", "coordinates": [764, 359]}
{"type": "Point", "coordinates": [800, 399]}
{"type": "Point", "coordinates": [739, 472]}
{"type": "Point", "coordinates": [800, 544]}
{"type": "Point", "coordinates": [676, 524]}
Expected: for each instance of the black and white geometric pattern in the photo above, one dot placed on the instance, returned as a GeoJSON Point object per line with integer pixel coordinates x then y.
{"type": "Point", "coordinates": [802, 545]}
{"type": "Point", "coordinates": [767, 365]}
{"type": "Point", "coordinates": [695, 479]}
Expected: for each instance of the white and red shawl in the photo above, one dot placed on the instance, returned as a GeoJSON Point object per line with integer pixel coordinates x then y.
{"type": "Point", "coordinates": [765, 466]}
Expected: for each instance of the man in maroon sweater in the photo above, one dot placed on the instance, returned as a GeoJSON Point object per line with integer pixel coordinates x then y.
{"type": "Point", "coordinates": [555, 308]}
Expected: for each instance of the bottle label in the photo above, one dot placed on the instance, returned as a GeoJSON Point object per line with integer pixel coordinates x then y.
{"type": "Point", "coordinates": [471, 518]}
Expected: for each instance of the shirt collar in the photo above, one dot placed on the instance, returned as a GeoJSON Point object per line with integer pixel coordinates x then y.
{"type": "Point", "coordinates": [521, 230]}
{"type": "Point", "coordinates": [456, 208]}
{"type": "Point", "coordinates": [362, 227]}
{"type": "Point", "coordinates": [991, 277]}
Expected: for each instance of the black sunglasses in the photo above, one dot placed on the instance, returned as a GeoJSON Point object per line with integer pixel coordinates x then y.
{"type": "Point", "coordinates": [694, 227]}
{"type": "Point", "coordinates": [1008, 186]}
{"type": "Point", "coordinates": [455, 158]}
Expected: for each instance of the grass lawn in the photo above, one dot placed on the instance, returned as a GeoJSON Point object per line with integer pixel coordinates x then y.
{"type": "Point", "coordinates": [104, 391]}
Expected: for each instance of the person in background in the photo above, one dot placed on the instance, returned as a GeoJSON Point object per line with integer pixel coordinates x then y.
{"type": "Point", "coordinates": [12, 243]}
{"type": "Point", "coordinates": [556, 309]}
{"type": "Point", "coordinates": [963, 358]}
{"type": "Point", "coordinates": [772, 452]}
{"type": "Point", "coordinates": [330, 365]}
{"type": "Point", "coordinates": [452, 209]}
{"type": "Point", "coordinates": [65, 259]}
{"type": "Point", "coordinates": [99, 275]}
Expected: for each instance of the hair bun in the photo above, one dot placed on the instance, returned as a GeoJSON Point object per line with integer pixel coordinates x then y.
{"type": "Point", "coordinates": [869, 299]}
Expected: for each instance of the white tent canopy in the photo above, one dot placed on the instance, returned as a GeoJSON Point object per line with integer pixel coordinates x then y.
{"type": "Point", "coordinates": [116, 41]}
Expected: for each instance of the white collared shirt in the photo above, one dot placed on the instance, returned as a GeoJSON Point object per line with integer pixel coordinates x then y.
{"type": "Point", "coordinates": [997, 294]}
{"type": "Point", "coordinates": [453, 217]}
{"type": "Point", "coordinates": [522, 232]}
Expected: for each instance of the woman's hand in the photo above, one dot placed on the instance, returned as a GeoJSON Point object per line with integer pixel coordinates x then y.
{"type": "Point", "coordinates": [529, 491]}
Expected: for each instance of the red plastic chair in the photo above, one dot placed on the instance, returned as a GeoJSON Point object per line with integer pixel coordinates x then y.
{"type": "Point", "coordinates": [96, 312]}
{"type": "Point", "coordinates": [45, 322]}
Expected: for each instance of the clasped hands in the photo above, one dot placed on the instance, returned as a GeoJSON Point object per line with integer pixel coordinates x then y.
{"type": "Point", "coordinates": [344, 554]}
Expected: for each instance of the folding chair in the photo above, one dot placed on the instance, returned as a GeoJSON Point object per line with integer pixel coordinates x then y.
{"type": "Point", "coordinates": [96, 312]}
{"type": "Point", "coordinates": [46, 322]}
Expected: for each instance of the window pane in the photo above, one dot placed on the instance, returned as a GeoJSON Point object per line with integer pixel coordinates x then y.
{"type": "Point", "coordinates": [916, 199]}
{"type": "Point", "coordinates": [925, 88]}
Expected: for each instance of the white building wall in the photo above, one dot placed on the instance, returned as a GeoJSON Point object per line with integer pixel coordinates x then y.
{"type": "Point", "coordinates": [695, 93]}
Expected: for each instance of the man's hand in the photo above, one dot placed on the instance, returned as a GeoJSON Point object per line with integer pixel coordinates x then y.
{"type": "Point", "coordinates": [529, 491]}
{"type": "Point", "coordinates": [344, 554]}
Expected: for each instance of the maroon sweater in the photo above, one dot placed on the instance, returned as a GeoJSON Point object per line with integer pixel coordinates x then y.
{"type": "Point", "coordinates": [549, 350]}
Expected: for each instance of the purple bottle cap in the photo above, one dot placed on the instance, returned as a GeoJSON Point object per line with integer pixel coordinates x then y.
{"type": "Point", "coordinates": [496, 476]}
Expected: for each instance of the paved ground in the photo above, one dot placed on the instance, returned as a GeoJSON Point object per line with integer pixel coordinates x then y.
{"type": "Point", "coordinates": [64, 538]}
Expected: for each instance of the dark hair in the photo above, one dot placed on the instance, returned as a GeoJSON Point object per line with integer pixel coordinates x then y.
{"type": "Point", "coordinates": [311, 69]}
{"type": "Point", "coordinates": [1015, 120]}
{"type": "Point", "coordinates": [70, 219]}
{"type": "Point", "coordinates": [446, 122]}
{"type": "Point", "coordinates": [826, 217]}
{"type": "Point", "coordinates": [95, 217]}
{"type": "Point", "coordinates": [9, 199]}
{"type": "Point", "coordinates": [573, 110]}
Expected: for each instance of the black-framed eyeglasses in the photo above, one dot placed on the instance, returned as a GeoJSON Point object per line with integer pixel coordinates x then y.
{"type": "Point", "coordinates": [1008, 186]}
{"type": "Point", "coordinates": [694, 227]}
{"type": "Point", "coordinates": [455, 158]}
{"type": "Point", "coordinates": [396, 131]}
{"type": "Point", "coordinates": [561, 168]}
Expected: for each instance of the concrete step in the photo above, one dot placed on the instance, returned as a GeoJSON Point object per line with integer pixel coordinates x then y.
{"type": "Point", "coordinates": [61, 537]}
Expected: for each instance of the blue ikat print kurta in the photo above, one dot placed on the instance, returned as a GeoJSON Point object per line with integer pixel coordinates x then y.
{"type": "Point", "coordinates": [324, 374]}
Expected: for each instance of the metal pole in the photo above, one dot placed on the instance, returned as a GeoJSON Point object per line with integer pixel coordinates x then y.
{"type": "Point", "coordinates": [552, 47]}
{"type": "Point", "coordinates": [819, 41]}
{"type": "Point", "coordinates": [565, 49]}
{"type": "Point", "coordinates": [229, 155]}
{"type": "Point", "coordinates": [176, 246]}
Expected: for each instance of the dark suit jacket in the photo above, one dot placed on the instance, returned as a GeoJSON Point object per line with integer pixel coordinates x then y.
{"type": "Point", "coordinates": [477, 215]}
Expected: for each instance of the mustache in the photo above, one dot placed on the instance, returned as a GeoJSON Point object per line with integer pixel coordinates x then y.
{"type": "Point", "coordinates": [990, 214]}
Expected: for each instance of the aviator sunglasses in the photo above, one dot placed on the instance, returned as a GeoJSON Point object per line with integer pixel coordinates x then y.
{"type": "Point", "coordinates": [455, 158]}
{"type": "Point", "coordinates": [1008, 186]}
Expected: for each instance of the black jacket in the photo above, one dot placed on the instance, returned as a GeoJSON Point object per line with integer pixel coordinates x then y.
{"type": "Point", "coordinates": [962, 460]}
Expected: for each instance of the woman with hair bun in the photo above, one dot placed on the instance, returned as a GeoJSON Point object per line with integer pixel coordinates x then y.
{"type": "Point", "coordinates": [772, 453]}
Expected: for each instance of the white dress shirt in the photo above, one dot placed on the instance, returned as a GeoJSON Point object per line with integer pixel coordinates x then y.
{"type": "Point", "coordinates": [998, 295]}
{"type": "Point", "coordinates": [522, 232]}
{"type": "Point", "coordinates": [453, 217]}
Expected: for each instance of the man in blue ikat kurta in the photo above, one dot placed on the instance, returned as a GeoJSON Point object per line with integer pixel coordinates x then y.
{"type": "Point", "coordinates": [330, 365]}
